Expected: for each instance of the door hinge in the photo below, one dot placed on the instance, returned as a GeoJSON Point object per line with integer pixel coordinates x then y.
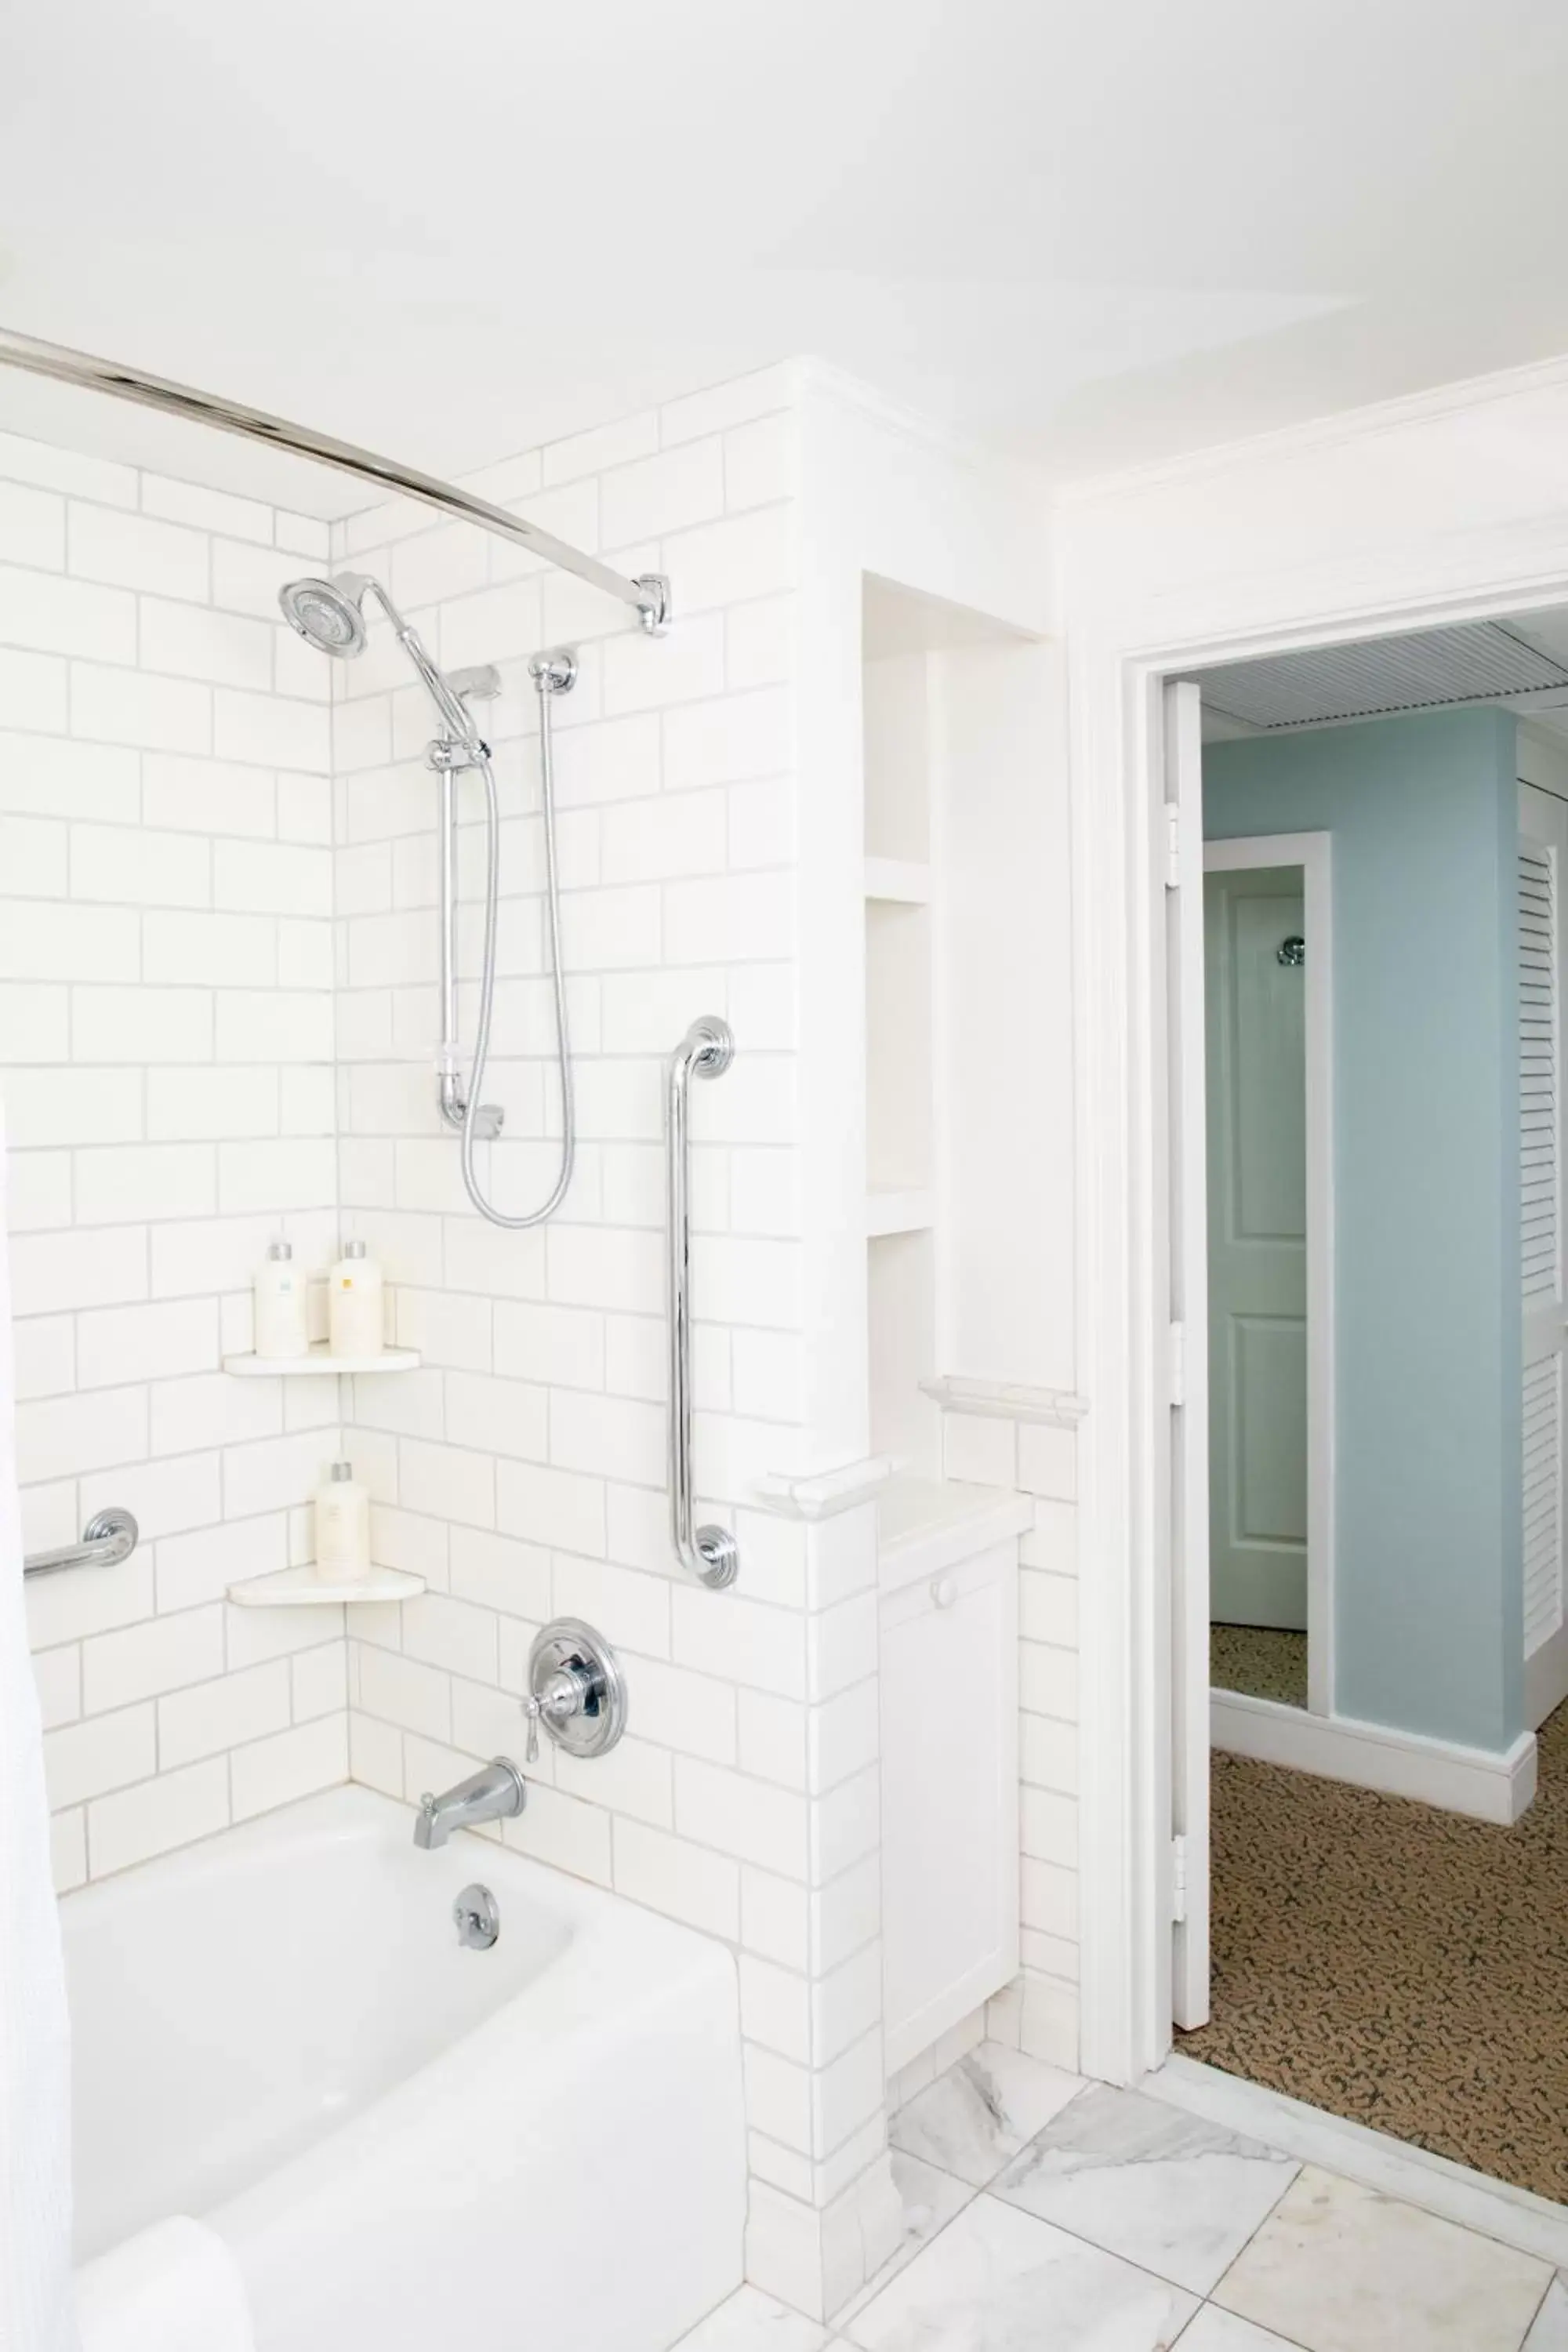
{"type": "Point", "coordinates": [1173, 845]}
{"type": "Point", "coordinates": [1178, 1363]}
{"type": "Point", "coordinates": [1178, 1879]}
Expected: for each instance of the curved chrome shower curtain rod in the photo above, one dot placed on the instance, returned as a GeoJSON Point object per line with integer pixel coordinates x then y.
{"type": "Point", "coordinates": [648, 594]}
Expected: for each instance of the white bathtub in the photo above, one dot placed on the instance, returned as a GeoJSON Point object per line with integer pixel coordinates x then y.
{"type": "Point", "coordinates": [409, 2143]}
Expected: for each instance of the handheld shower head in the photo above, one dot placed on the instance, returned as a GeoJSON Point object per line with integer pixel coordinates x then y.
{"type": "Point", "coordinates": [330, 616]}
{"type": "Point", "coordinates": [328, 613]}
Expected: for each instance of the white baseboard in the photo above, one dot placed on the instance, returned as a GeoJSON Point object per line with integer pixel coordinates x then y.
{"type": "Point", "coordinates": [1396, 1763]}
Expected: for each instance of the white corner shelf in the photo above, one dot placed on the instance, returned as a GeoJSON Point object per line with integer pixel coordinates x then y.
{"type": "Point", "coordinates": [302, 1588]}
{"type": "Point", "coordinates": [318, 1360]}
{"type": "Point", "coordinates": [898, 879]}
{"type": "Point", "coordinates": [888, 1212]}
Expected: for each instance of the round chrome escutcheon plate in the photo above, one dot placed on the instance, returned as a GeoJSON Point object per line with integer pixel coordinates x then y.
{"type": "Point", "coordinates": [567, 1646]}
{"type": "Point", "coordinates": [477, 1917]}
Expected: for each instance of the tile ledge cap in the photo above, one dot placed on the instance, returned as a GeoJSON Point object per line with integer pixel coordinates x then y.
{"type": "Point", "coordinates": [826, 1492]}
{"type": "Point", "coordinates": [1007, 1401]}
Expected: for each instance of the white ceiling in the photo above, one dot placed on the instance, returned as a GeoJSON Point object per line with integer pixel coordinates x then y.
{"type": "Point", "coordinates": [1094, 235]}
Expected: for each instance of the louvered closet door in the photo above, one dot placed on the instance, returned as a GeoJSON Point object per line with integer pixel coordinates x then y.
{"type": "Point", "coordinates": [1543, 872]}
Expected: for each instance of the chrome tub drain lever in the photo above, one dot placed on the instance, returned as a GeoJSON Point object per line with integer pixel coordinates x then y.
{"type": "Point", "coordinates": [477, 1916]}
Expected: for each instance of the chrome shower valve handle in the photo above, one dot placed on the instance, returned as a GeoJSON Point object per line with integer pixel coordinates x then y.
{"type": "Point", "coordinates": [575, 1689]}
{"type": "Point", "coordinates": [566, 1695]}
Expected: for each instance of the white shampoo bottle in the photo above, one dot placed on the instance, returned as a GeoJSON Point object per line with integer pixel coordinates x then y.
{"type": "Point", "coordinates": [343, 1527]}
{"type": "Point", "coordinates": [283, 1327]}
{"type": "Point", "coordinates": [355, 1314]}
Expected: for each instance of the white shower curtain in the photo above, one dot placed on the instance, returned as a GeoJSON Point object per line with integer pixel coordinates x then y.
{"type": "Point", "coordinates": [35, 2111]}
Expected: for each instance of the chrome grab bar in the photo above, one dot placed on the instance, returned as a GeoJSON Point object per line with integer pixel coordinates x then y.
{"type": "Point", "coordinates": [706, 1051]}
{"type": "Point", "coordinates": [108, 1538]}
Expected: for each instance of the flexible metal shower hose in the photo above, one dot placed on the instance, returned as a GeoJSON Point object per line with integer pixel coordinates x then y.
{"type": "Point", "coordinates": [488, 983]}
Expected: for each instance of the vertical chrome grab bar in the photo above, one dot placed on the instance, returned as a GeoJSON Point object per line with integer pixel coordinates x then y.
{"type": "Point", "coordinates": [706, 1051]}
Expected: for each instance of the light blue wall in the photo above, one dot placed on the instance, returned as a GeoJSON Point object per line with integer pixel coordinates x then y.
{"type": "Point", "coordinates": [1423, 815]}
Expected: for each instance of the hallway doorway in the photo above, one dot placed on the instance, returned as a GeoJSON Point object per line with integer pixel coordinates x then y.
{"type": "Point", "coordinates": [1377, 1931]}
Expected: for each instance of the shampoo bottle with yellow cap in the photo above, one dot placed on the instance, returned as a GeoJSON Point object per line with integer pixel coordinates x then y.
{"type": "Point", "coordinates": [355, 1314]}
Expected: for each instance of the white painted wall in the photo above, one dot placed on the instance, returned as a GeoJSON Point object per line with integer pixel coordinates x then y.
{"type": "Point", "coordinates": [166, 1058]}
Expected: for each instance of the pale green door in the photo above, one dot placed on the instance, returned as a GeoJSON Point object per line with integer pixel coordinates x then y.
{"type": "Point", "coordinates": [1254, 1000]}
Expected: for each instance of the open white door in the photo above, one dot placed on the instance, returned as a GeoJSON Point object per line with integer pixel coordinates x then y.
{"type": "Point", "coordinates": [1542, 1112]}
{"type": "Point", "coordinates": [1189, 1314]}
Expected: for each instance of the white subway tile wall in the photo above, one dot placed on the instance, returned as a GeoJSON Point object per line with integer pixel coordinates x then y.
{"type": "Point", "coordinates": [1040, 2014]}
{"type": "Point", "coordinates": [524, 1471]}
{"type": "Point", "coordinates": [218, 1011]}
{"type": "Point", "coordinates": [166, 1063]}
{"type": "Point", "coordinates": [526, 1476]}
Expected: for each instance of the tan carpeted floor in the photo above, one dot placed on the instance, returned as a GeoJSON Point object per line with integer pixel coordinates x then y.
{"type": "Point", "coordinates": [1261, 1662]}
{"type": "Point", "coordinates": [1400, 1966]}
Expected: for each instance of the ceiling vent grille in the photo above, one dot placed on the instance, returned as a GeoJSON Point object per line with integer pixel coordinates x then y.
{"type": "Point", "coordinates": [1471, 664]}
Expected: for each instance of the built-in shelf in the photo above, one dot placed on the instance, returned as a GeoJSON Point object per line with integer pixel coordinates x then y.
{"type": "Point", "coordinates": [891, 1211]}
{"type": "Point", "coordinates": [926, 1525]}
{"type": "Point", "coordinates": [318, 1360]}
{"type": "Point", "coordinates": [302, 1588]}
{"type": "Point", "coordinates": [900, 879]}
{"type": "Point", "coordinates": [898, 848]}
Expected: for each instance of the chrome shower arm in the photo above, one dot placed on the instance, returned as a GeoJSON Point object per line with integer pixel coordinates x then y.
{"type": "Point", "coordinates": [648, 594]}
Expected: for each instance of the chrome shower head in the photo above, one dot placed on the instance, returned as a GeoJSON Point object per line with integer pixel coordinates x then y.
{"type": "Point", "coordinates": [330, 616]}
{"type": "Point", "coordinates": [328, 613]}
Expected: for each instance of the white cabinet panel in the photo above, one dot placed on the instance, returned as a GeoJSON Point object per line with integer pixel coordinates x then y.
{"type": "Point", "coordinates": [950, 1797]}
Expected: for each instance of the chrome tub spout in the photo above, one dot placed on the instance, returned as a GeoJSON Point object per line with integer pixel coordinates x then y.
{"type": "Point", "coordinates": [497, 1792]}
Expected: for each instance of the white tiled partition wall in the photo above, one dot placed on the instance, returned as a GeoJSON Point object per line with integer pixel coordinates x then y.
{"type": "Point", "coordinates": [1033, 1448]}
{"type": "Point", "coordinates": [889, 499]}
{"type": "Point", "coordinates": [166, 1043]}
{"type": "Point", "coordinates": [523, 1471]}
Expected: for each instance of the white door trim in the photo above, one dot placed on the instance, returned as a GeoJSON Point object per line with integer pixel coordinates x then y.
{"type": "Point", "coordinates": [1187, 1673]}
{"type": "Point", "coordinates": [1116, 669]}
{"type": "Point", "coordinates": [1312, 851]}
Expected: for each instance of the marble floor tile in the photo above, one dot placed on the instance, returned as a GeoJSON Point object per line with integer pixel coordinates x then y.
{"type": "Point", "coordinates": [1214, 2330]}
{"type": "Point", "coordinates": [1339, 2268]}
{"type": "Point", "coordinates": [996, 2279]}
{"type": "Point", "coordinates": [1550, 2332]}
{"type": "Point", "coordinates": [982, 2111]}
{"type": "Point", "coordinates": [1177, 2195]}
{"type": "Point", "coordinates": [752, 2322]}
{"type": "Point", "coordinates": [931, 2198]}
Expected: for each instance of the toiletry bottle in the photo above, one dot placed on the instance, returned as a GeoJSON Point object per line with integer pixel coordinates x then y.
{"type": "Point", "coordinates": [281, 1329]}
{"type": "Point", "coordinates": [343, 1527]}
{"type": "Point", "coordinates": [355, 1316]}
